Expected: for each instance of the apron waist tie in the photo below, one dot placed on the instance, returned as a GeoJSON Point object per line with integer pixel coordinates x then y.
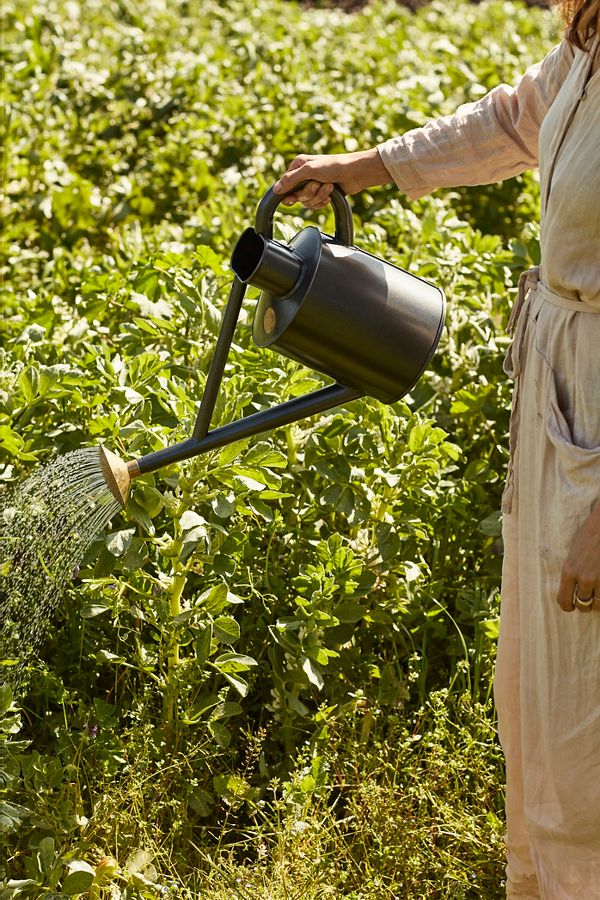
{"type": "Point", "coordinates": [565, 302]}
{"type": "Point", "coordinates": [516, 323]}
{"type": "Point", "coordinates": [528, 282]}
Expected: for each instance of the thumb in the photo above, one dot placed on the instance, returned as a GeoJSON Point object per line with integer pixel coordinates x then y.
{"type": "Point", "coordinates": [566, 588]}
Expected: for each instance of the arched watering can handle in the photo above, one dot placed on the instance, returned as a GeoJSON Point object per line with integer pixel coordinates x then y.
{"type": "Point", "coordinates": [344, 229]}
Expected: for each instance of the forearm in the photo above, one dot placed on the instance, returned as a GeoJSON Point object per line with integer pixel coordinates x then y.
{"type": "Point", "coordinates": [370, 170]}
{"type": "Point", "coordinates": [493, 138]}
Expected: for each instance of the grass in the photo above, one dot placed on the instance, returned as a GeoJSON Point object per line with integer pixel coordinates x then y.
{"type": "Point", "coordinates": [413, 812]}
{"type": "Point", "coordinates": [408, 807]}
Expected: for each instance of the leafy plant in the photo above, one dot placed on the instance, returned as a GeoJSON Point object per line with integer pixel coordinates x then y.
{"type": "Point", "coordinates": [195, 687]}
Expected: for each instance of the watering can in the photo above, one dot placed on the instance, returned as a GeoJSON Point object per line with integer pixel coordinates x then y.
{"type": "Point", "coordinates": [367, 324]}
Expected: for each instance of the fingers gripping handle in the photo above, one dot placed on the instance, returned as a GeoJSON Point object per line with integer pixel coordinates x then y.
{"type": "Point", "coordinates": [344, 229]}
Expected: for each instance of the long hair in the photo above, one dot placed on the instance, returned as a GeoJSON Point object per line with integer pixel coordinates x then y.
{"type": "Point", "coordinates": [582, 20]}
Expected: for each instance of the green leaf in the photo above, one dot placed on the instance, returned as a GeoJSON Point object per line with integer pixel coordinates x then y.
{"type": "Point", "coordinates": [137, 862]}
{"type": "Point", "coordinates": [275, 495]}
{"type": "Point", "coordinates": [313, 672]}
{"type": "Point", "coordinates": [492, 524]}
{"type": "Point", "coordinates": [136, 555]}
{"type": "Point", "coordinates": [190, 520]}
{"type": "Point", "coordinates": [46, 854]}
{"type": "Point", "coordinates": [231, 452]}
{"type": "Point", "coordinates": [11, 442]}
{"type": "Point", "coordinates": [249, 483]}
{"type": "Point", "coordinates": [226, 710]}
{"type": "Point", "coordinates": [201, 802]}
{"type": "Point", "coordinates": [16, 886]}
{"type": "Point", "coordinates": [6, 698]}
{"type": "Point", "coordinates": [478, 471]}
{"type": "Point", "coordinates": [194, 530]}
{"type": "Point", "coordinates": [418, 437]}
{"type": "Point", "coordinates": [77, 882]}
{"type": "Point", "coordinates": [263, 454]}
{"type": "Point", "coordinates": [233, 785]}
{"type": "Point", "coordinates": [221, 734]}
{"type": "Point", "coordinates": [118, 542]}
{"type": "Point", "coordinates": [234, 662]}
{"type": "Point", "coordinates": [261, 509]}
{"type": "Point", "coordinates": [491, 628]}
{"type": "Point", "coordinates": [90, 610]}
{"type": "Point", "coordinates": [140, 515]}
{"type": "Point", "coordinates": [202, 645]}
{"type": "Point", "coordinates": [226, 629]}
{"type": "Point", "coordinates": [199, 708]}
{"type": "Point", "coordinates": [147, 496]}
{"type": "Point", "coordinates": [29, 382]}
{"type": "Point", "coordinates": [214, 599]}
{"type": "Point", "coordinates": [239, 683]}
{"type": "Point", "coordinates": [296, 704]}
{"type": "Point", "coordinates": [12, 815]}
{"type": "Point", "coordinates": [411, 571]}
{"type": "Point", "coordinates": [318, 655]}
{"type": "Point", "coordinates": [223, 506]}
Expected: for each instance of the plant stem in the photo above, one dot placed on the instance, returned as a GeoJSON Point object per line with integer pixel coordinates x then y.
{"type": "Point", "coordinates": [173, 659]}
{"type": "Point", "coordinates": [366, 727]}
{"type": "Point", "coordinates": [179, 581]}
{"type": "Point", "coordinates": [292, 447]}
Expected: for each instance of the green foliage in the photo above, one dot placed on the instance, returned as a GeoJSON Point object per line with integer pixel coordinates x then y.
{"type": "Point", "coordinates": [246, 601]}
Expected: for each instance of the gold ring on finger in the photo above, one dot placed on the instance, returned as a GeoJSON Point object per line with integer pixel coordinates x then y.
{"type": "Point", "coordinates": [584, 602]}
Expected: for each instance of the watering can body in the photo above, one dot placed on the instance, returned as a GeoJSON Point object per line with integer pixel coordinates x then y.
{"type": "Point", "coordinates": [362, 321]}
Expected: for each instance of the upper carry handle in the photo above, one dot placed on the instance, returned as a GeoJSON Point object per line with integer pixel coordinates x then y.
{"type": "Point", "coordinates": [344, 229]}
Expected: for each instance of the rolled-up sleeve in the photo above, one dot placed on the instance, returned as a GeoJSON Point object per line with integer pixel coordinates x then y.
{"type": "Point", "coordinates": [483, 142]}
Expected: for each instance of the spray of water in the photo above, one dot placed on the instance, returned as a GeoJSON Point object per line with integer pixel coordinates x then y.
{"type": "Point", "coordinates": [48, 522]}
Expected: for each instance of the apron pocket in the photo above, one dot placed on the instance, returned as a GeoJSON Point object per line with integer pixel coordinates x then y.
{"type": "Point", "coordinates": [571, 454]}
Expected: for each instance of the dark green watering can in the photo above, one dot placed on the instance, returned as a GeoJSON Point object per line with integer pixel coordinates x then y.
{"type": "Point", "coordinates": [358, 319]}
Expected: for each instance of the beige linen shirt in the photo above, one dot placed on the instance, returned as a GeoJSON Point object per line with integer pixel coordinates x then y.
{"type": "Point", "coordinates": [510, 130]}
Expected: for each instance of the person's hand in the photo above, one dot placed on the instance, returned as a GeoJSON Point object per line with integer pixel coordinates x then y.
{"type": "Point", "coordinates": [352, 172]}
{"type": "Point", "coordinates": [580, 575]}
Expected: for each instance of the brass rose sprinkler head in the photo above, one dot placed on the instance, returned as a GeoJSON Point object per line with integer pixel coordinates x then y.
{"type": "Point", "coordinates": [118, 474]}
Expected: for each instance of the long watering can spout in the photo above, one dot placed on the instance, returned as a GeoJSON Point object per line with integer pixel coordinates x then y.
{"type": "Point", "coordinates": [118, 474]}
{"type": "Point", "coordinates": [365, 323]}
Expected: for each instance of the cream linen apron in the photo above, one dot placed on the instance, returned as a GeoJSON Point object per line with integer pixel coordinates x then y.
{"type": "Point", "coordinates": [547, 683]}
